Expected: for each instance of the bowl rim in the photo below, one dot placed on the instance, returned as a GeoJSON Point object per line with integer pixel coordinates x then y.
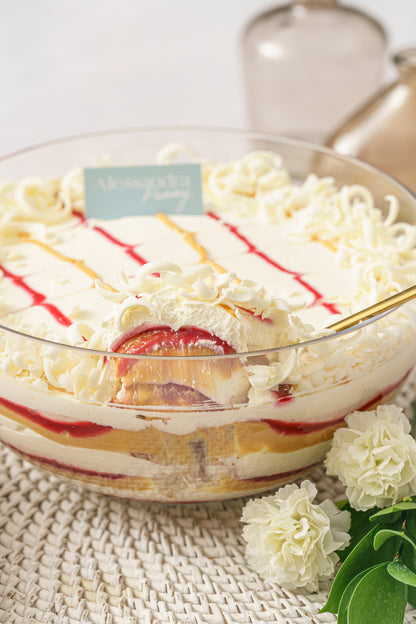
{"type": "Point", "coordinates": [85, 351]}
{"type": "Point", "coordinates": [248, 132]}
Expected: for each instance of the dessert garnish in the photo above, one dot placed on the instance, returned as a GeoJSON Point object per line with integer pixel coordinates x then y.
{"type": "Point", "coordinates": [295, 542]}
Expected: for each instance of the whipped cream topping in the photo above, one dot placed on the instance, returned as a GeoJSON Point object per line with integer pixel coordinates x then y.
{"type": "Point", "coordinates": [256, 184]}
{"type": "Point", "coordinates": [338, 360]}
{"type": "Point", "coordinates": [242, 313]}
{"type": "Point", "coordinates": [380, 251]}
{"type": "Point", "coordinates": [35, 199]}
{"type": "Point", "coordinates": [46, 366]}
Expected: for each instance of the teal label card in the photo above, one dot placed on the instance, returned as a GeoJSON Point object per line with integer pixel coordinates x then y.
{"type": "Point", "coordinates": [112, 192]}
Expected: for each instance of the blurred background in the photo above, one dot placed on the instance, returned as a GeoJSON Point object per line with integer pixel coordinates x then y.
{"type": "Point", "coordinates": [74, 66]}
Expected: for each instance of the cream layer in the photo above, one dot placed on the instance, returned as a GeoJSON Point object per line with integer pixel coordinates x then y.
{"type": "Point", "coordinates": [108, 462]}
{"type": "Point", "coordinates": [256, 465]}
{"type": "Point", "coordinates": [321, 405]}
{"type": "Point", "coordinates": [105, 462]}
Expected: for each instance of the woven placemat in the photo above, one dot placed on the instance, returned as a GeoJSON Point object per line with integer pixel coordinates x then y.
{"type": "Point", "coordinates": [68, 556]}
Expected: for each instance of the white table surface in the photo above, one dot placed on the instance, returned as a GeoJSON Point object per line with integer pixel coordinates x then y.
{"type": "Point", "coordinates": [72, 66]}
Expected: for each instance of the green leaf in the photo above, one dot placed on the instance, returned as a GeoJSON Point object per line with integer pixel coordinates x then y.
{"type": "Point", "coordinates": [411, 524]}
{"type": "Point", "coordinates": [346, 597]}
{"type": "Point", "coordinates": [383, 535]}
{"type": "Point", "coordinates": [343, 504]}
{"type": "Point", "coordinates": [377, 599]}
{"type": "Point", "coordinates": [363, 556]}
{"type": "Point", "coordinates": [413, 431]}
{"type": "Point", "coordinates": [388, 518]}
{"type": "Point", "coordinates": [408, 556]}
{"type": "Point", "coordinates": [392, 510]}
{"type": "Point", "coordinates": [399, 570]}
{"type": "Point", "coordinates": [359, 527]}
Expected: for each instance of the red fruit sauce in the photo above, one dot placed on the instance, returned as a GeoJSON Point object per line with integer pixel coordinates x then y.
{"type": "Point", "coordinates": [148, 341]}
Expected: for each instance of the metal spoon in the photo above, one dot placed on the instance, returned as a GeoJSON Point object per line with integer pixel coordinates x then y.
{"type": "Point", "coordinates": [376, 309]}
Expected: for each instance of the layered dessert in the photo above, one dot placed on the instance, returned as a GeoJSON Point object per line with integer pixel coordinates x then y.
{"type": "Point", "coordinates": [190, 357]}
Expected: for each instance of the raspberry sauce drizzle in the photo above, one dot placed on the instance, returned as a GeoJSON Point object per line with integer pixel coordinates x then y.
{"type": "Point", "coordinates": [281, 475]}
{"type": "Point", "coordinates": [38, 299]}
{"type": "Point", "coordinates": [54, 463]}
{"type": "Point", "coordinates": [79, 429]}
{"type": "Point", "coordinates": [251, 248]}
{"type": "Point", "coordinates": [152, 339]}
{"type": "Point", "coordinates": [128, 249]}
{"type": "Point", "coordinates": [301, 428]}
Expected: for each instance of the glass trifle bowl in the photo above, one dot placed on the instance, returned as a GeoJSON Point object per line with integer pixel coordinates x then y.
{"type": "Point", "coordinates": [176, 355]}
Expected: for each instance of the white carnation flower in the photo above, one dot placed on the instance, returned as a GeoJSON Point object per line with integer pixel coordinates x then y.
{"type": "Point", "coordinates": [291, 540]}
{"type": "Point", "coordinates": [374, 457]}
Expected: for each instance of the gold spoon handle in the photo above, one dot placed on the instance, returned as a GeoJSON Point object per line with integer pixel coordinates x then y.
{"type": "Point", "coordinates": [374, 310]}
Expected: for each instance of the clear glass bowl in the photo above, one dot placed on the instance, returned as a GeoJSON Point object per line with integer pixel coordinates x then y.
{"type": "Point", "coordinates": [174, 446]}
